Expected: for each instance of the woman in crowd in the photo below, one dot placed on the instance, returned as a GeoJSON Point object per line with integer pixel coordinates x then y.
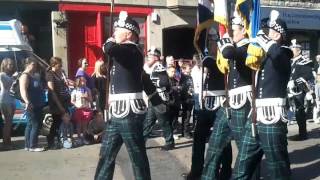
{"type": "Point", "coordinates": [81, 72]}
{"type": "Point", "coordinates": [58, 97]}
{"type": "Point", "coordinates": [32, 93]}
{"type": "Point", "coordinates": [100, 81]}
{"type": "Point", "coordinates": [7, 103]}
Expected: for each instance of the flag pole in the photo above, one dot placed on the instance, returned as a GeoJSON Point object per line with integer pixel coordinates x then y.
{"type": "Point", "coordinates": [109, 64]}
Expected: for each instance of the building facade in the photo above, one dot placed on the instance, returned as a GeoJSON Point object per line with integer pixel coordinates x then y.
{"type": "Point", "coordinates": [168, 25]}
{"type": "Point", "coordinates": [78, 28]}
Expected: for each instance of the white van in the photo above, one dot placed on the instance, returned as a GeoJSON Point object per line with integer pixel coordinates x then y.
{"type": "Point", "coordinates": [14, 45]}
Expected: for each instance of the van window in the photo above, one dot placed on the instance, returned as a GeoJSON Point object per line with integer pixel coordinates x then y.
{"type": "Point", "coordinates": [18, 56]}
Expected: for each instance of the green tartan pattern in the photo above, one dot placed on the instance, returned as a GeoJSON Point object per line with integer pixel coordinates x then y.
{"type": "Point", "coordinates": [165, 123]}
{"type": "Point", "coordinates": [271, 140]}
{"type": "Point", "coordinates": [224, 130]}
{"type": "Point", "coordinates": [127, 130]}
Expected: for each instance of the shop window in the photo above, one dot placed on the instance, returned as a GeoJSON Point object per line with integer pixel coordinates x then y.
{"type": "Point", "coordinates": [142, 24]}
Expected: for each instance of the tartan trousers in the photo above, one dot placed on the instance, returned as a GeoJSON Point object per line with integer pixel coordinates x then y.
{"type": "Point", "coordinates": [201, 134]}
{"type": "Point", "coordinates": [127, 130]}
{"type": "Point", "coordinates": [165, 123]}
{"type": "Point", "coordinates": [224, 130]}
{"type": "Point", "coordinates": [271, 140]}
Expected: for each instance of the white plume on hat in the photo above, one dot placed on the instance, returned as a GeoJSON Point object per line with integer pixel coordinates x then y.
{"type": "Point", "coordinates": [152, 48]}
{"type": "Point", "coordinates": [237, 20]}
{"type": "Point", "coordinates": [294, 44]}
{"type": "Point", "coordinates": [154, 51]}
{"type": "Point", "coordinates": [122, 18]}
{"type": "Point", "coordinates": [274, 14]}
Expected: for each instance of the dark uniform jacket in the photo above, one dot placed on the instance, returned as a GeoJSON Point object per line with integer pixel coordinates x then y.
{"type": "Point", "coordinates": [302, 68]}
{"type": "Point", "coordinates": [239, 80]}
{"type": "Point", "coordinates": [271, 89]}
{"type": "Point", "coordinates": [239, 73]}
{"type": "Point", "coordinates": [274, 73]}
{"type": "Point", "coordinates": [186, 84]}
{"type": "Point", "coordinates": [214, 84]}
{"type": "Point", "coordinates": [127, 79]}
{"type": "Point", "coordinates": [160, 79]}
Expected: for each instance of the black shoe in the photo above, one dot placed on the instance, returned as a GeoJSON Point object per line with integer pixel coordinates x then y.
{"type": "Point", "coordinates": [187, 135]}
{"type": "Point", "coordinates": [167, 147]}
{"type": "Point", "coordinates": [298, 138]}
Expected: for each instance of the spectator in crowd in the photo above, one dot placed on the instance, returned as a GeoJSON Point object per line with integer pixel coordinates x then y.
{"type": "Point", "coordinates": [58, 98]}
{"type": "Point", "coordinates": [33, 96]}
{"type": "Point", "coordinates": [196, 78]}
{"type": "Point", "coordinates": [7, 102]}
{"type": "Point", "coordinates": [81, 98]}
{"type": "Point", "coordinates": [28, 36]}
{"type": "Point", "coordinates": [186, 83]}
{"type": "Point", "coordinates": [66, 132]}
{"type": "Point", "coordinates": [174, 103]}
{"type": "Point", "coordinates": [96, 127]}
{"type": "Point", "coordinates": [81, 72]}
{"type": "Point", "coordinates": [317, 64]}
{"type": "Point", "coordinates": [100, 81]}
{"type": "Point", "coordinates": [170, 61]}
{"type": "Point", "coordinates": [316, 110]}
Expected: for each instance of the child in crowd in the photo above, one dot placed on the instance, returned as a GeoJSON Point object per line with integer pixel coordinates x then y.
{"type": "Point", "coordinates": [96, 127]}
{"type": "Point", "coordinates": [175, 100]}
{"type": "Point", "coordinates": [81, 98]}
{"type": "Point", "coordinates": [66, 132]}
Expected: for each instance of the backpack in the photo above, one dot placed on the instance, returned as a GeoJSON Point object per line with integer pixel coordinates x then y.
{"type": "Point", "coordinates": [14, 90]}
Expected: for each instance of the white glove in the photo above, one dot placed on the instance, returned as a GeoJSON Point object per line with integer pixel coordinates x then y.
{"type": "Point", "coordinates": [264, 41]}
{"type": "Point", "coordinates": [161, 108]}
{"type": "Point", "coordinates": [224, 43]}
{"type": "Point", "coordinates": [110, 39]}
{"type": "Point", "coordinates": [309, 96]}
{"type": "Point", "coordinates": [301, 80]}
{"type": "Point", "coordinates": [290, 95]}
{"type": "Point", "coordinates": [291, 84]}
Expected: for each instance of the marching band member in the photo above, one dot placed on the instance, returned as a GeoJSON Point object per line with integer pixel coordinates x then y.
{"type": "Point", "coordinates": [300, 87]}
{"type": "Point", "coordinates": [271, 85]}
{"type": "Point", "coordinates": [127, 107]}
{"type": "Point", "coordinates": [239, 94]}
{"type": "Point", "coordinates": [159, 77]}
{"type": "Point", "coordinates": [213, 97]}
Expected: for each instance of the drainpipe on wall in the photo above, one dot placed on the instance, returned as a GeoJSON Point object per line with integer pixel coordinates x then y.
{"type": "Point", "coordinates": [59, 37]}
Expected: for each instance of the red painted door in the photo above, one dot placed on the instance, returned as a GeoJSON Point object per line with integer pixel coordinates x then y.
{"type": "Point", "coordinates": [84, 39]}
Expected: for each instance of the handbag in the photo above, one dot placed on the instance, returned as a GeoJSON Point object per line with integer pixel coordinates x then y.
{"type": "Point", "coordinates": [47, 121]}
{"type": "Point", "coordinates": [14, 90]}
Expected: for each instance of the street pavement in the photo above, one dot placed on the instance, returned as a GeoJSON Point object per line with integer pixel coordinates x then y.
{"type": "Point", "coordinates": [80, 163]}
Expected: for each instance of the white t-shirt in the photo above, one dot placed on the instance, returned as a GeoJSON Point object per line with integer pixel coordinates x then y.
{"type": "Point", "coordinates": [196, 77]}
{"type": "Point", "coordinates": [79, 101]}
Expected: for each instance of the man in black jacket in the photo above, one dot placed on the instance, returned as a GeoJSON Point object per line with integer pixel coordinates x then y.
{"type": "Point", "coordinates": [271, 93]}
{"type": "Point", "coordinates": [300, 87]}
{"type": "Point", "coordinates": [159, 77]}
{"type": "Point", "coordinates": [127, 107]}
{"type": "Point", "coordinates": [230, 121]}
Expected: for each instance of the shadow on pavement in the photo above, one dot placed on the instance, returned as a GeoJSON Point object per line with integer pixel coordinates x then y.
{"type": "Point", "coordinates": [305, 155]}
{"type": "Point", "coordinates": [310, 171]}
